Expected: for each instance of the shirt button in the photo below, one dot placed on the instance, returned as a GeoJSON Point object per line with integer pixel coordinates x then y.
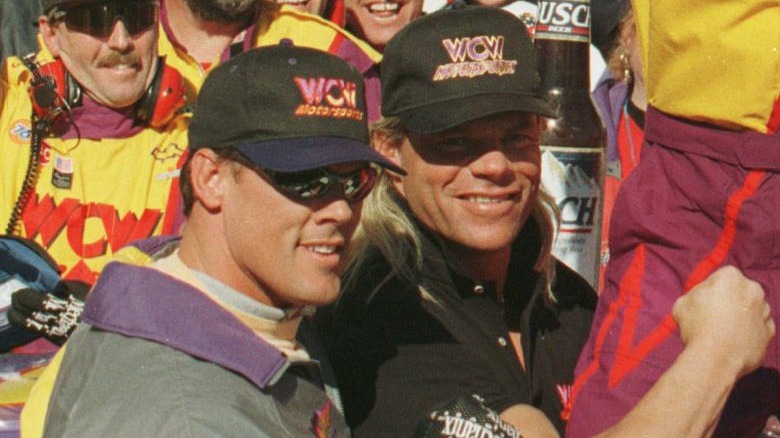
{"type": "Point", "coordinates": [479, 289]}
{"type": "Point", "coordinates": [502, 341]}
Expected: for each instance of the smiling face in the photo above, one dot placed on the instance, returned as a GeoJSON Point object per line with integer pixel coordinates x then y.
{"type": "Point", "coordinates": [282, 252]}
{"type": "Point", "coordinates": [114, 71]}
{"type": "Point", "coordinates": [474, 184]}
{"type": "Point", "coordinates": [376, 21]}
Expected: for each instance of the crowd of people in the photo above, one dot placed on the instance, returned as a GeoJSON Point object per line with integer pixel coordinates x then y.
{"type": "Point", "coordinates": [324, 218]}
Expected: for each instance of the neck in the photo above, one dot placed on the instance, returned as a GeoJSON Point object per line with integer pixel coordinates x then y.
{"type": "Point", "coordinates": [639, 93]}
{"type": "Point", "coordinates": [482, 265]}
{"type": "Point", "coordinates": [204, 40]}
{"type": "Point", "coordinates": [204, 249]}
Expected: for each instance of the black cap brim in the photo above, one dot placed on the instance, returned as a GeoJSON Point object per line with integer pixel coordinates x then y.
{"type": "Point", "coordinates": [299, 154]}
{"type": "Point", "coordinates": [440, 116]}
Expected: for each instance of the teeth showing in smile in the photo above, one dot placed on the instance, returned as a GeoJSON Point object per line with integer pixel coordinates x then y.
{"type": "Point", "coordinates": [383, 7]}
{"type": "Point", "coordinates": [486, 200]}
{"type": "Point", "coordinates": [322, 249]}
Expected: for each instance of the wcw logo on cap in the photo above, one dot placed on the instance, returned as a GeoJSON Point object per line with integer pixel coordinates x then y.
{"type": "Point", "coordinates": [474, 56]}
{"type": "Point", "coordinates": [328, 97]}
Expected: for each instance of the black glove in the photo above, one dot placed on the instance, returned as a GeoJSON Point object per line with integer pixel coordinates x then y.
{"type": "Point", "coordinates": [53, 315]}
{"type": "Point", "coordinates": [464, 416]}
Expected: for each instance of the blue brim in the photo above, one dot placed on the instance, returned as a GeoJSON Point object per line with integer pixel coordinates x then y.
{"type": "Point", "coordinates": [298, 154]}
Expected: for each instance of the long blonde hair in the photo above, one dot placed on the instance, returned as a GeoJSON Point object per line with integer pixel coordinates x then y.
{"type": "Point", "coordinates": [385, 225]}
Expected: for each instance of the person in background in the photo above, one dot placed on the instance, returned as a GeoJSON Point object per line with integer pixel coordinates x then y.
{"type": "Point", "coordinates": [205, 335]}
{"type": "Point", "coordinates": [704, 195]}
{"type": "Point", "coordinates": [376, 21]}
{"type": "Point", "coordinates": [197, 35]}
{"type": "Point", "coordinates": [450, 290]}
{"type": "Point", "coordinates": [92, 143]}
{"type": "Point", "coordinates": [332, 10]}
{"type": "Point", "coordinates": [314, 7]}
{"type": "Point", "coordinates": [621, 100]}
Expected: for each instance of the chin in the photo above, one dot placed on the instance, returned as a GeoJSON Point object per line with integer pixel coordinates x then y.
{"type": "Point", "coordinates": [488, 241]}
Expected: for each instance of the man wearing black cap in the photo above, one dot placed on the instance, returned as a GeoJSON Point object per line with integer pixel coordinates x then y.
{"type": "Point", "coordinates": [450, 289]}
{"type": "Point", "coordinates": [199, 338]}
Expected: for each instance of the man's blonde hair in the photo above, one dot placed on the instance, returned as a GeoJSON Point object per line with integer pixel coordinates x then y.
{"type": "Point", "coordinates": [385, 225]}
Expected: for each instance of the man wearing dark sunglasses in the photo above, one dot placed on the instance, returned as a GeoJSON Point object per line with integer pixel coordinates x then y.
{"type": "Point", "coordinates": [92, 138]}
{"type": "Point", "coordinates": [199, 34]}
{"type": "Point", "coordinates": [200, 338]}
{"type": "Point", "coordinates": [107, 46]}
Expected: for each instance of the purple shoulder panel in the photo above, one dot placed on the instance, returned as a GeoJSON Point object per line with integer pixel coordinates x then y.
{"type": "Point", "coordinates": [145, 303]}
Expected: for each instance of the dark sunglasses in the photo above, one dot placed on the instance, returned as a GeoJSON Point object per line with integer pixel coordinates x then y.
{"type": "Point", "coordinates": [312, 184]}
{"type": "Point", "coordinates": [98, 20]}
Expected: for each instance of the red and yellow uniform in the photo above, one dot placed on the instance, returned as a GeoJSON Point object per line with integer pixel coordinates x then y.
{"type": "Point", "coordinates": [102, 184]}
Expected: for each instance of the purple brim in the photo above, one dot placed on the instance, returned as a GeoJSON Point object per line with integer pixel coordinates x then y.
{"type": "Point", "coordinates": [297, 154]}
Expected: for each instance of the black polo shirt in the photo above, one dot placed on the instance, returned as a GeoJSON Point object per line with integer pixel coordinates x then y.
{"type": "Point", "coordinates": [399, 352]}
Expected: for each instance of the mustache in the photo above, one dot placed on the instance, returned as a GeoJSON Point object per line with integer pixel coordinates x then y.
{"type": "Point", "coordinates": [116, 58]}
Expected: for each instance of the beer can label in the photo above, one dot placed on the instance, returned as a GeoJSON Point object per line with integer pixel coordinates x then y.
{"type": "Point", "coordinates": [573, 177]}
{"type": "Point", "coordinates": [567, 20]}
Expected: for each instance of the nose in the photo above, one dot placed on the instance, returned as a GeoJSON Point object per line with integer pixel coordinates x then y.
{"type": "Point", "coordinates": [335, 209]}
{"type": "Point", "coordinates": [493, 164]}
{"type": "Point", "coordinates": [120, 38]}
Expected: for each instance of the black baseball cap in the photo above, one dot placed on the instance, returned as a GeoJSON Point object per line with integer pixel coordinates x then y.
{"type": "Point", "coordinates": [605, 20]}
{"type": "Point", "coordinates": [457, 65]}
{"type": "Point", "coordinates": [286, 109]}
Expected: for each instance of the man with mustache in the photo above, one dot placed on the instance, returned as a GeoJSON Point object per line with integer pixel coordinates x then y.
{"type": "Point", "coordinates": [91, 147]}
{"type": "Point", "coordinates": [199, 338]}
{"type": "Point", "coordinates": [195, 36]}
{"type": "Point", "coordinates": [199, 34]}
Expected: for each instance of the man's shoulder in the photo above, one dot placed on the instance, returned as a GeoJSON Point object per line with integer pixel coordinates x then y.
{"type": "Point", "coordinates": [133, 387]}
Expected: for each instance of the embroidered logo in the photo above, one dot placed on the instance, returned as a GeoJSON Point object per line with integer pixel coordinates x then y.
{"type": "Point", "coordinates": [44, 156]}
{"type": "Point", "coordinates": [564, 395]}
{"type": "Point", "coordinates": [167, 151]}
{"type": "Point", "coordinates": [321, 424]}
{"type": "Point", "coordinates": [474, 56]}
{"type": "Point", "coordinates": [20, 131]}
{"type": "Point", "coordinates": [328, 97]}
{"type": "Point", "coordinates": [47, 220]}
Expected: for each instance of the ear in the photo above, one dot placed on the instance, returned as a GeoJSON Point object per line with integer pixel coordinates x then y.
{"type": "Point", "coordinates": [49, 33]}
{"type": "Point", "coordinates": [390, 149]}
{"type": "Point", "coordinates": [382, 143]}
{"type": "Point", "coordinates": [207, 174]}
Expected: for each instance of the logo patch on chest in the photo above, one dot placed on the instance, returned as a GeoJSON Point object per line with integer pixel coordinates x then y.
{"type": "Point", "coordinates": [62, 175]}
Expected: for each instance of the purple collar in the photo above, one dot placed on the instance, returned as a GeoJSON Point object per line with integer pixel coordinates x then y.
{"type": "Point", "coordinates": [145, 303]}
{"type": "Point", "coordinates": [92, 120]}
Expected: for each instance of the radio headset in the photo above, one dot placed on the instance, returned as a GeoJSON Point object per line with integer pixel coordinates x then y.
{"type": "Point", "coordinates": [54, 92]}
